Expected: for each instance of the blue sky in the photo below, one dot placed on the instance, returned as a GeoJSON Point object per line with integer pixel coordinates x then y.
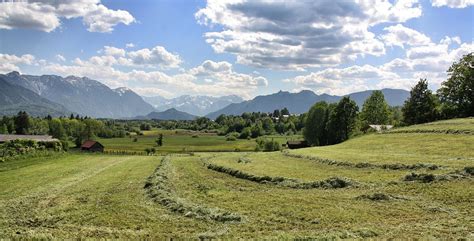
{"type": "Point", "coordinates": [171, 48]}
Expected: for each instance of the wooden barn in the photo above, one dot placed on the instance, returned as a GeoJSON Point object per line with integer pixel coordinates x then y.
{"type": "Point", "coordinates": [297, 144]}
{"type": "Point", "coordinates": [92, 146]}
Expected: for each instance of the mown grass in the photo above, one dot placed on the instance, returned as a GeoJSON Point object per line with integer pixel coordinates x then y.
{"type": "Point", "coordinates": [451, 150]}
{"type": "Point", "coordinates": [184, 141]}
{"type": "Point", "coordinates": [455, 126]}
{"type": "Point", "coordinates": [104, 196]}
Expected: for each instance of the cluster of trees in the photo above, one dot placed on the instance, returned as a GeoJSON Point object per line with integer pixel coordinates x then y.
{"type": "Point", "coordinates": [327, 124]}
{"type": "Point", "coordinates": [74, 128]}
{"type": "Point", "coordinates": [454, 99]}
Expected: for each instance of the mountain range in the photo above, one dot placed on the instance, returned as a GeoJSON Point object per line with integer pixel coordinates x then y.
{"type": "Point", "coordinates": [200, 105]}
{"type": "Point", "coordinates": [80, 95]}
{"type": "Point", "coordinates": [298, 103]}
{"type": "Point", "coordinates": [56, 95]}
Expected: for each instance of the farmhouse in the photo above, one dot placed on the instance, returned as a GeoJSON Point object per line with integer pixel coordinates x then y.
{"type": "Point", "coordinates": [45, 138]}
{"type": "Point", "coordinates": [296, 144]}
{"type": "Point", "coordinates": [92, 146]}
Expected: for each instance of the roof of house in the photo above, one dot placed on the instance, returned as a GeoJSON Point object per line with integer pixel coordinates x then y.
{"type": "Point", "coordinates": [4, 138]}
{"type": "Point", "coordinates": [89, 144]}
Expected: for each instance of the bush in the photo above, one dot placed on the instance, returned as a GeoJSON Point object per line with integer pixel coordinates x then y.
{"type": "Point", "coordinates": [267, 145]}
{"type": "Point", "coordinates": [232, 136]}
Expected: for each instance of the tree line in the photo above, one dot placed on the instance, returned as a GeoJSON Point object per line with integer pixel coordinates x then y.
{"type": "Point", "coordinates": [327, 124]}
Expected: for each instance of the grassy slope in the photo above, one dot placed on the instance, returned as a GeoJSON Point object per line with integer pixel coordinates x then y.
{"type": "Point", "coordinates": [103, 196]}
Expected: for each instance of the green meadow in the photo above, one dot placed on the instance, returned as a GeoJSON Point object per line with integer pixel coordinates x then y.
{"type": "Point", "coordinates": [397, 184]}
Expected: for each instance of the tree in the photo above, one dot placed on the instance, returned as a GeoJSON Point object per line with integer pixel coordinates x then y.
{"type": "Point", "coordinates": [56, 129]}
{"type": "Point", "coordinates": [421, 106]}
{"type": "Point", "coordinates": [315, 132]}
{"type": "Point", "coordinates": [457, 93]}
{"type": "Point", "coordinates": [375, 110]}
{"type": "Point", "coordinates": [159, 141]}
{"type": "Point", "coordinates": [276, 113]}
{"type": "Point", "coordinates": [22, 123]}
{"type": "Point", "coordinates": [285, 111]}
{"type": "Point", "coordinates": [3, 129]}
{"type": "Point", "coordinates": [246, 133]}
{"type": "Point", "coordinates": [342, 121]}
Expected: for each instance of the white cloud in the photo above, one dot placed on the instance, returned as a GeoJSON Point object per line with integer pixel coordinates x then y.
{"type": "Point", "coordinates": [60, 58]}
{"type": "Point", "coordinates": [157, 56]}
{"type": "Point", "coordinates": [452, 3]}
{"type": "Point", "coordinates": [10, 63]}
{"type": "Point", "coordinates": [130, 45]}
{"type": "Point", "coordinates": [113, 51]}
{"type": "Point", "coordinates": [46, 15]}
{"type": "Point", "coordinates": [300, 34]}
{"type": "Point", "coordinates": [399, 35]}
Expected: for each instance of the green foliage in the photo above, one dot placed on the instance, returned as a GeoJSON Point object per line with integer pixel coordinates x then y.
{"type": "Point", "coordinates": [246, 133]}
{"type": "Point", "coordinates": [3, 129]}
{"type": "Point", "coordinates": [342, 121]}
{"type": "Point", "coordinates": [16, 148]}
{"type": "Point", "coordinates": [159, 141]}
{"type": "Point", "coordinates": [457, 93]}
{"type": "Point", "coordinates": [22, 123]}
{"type": "Point", "coordinates": [375, 110]}
{"type": "Point", "coordinates": [315, 131]}
{"type": "Point", "coordinates": [421, 105]}
{"type": "Point", "coordinates": [264, 144]}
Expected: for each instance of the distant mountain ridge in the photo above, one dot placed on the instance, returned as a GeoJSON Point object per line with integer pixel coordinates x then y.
{"type": "Point", "coordinates": [195, 105]}
{"type": "Point", "coordinates": [83, 95]}
{"type": "Point", "coordinates": [301, 102]}
{"type": "Point", "coordinates": [14, 98]}
{"type": "Point", "coordinates": [169, 114]}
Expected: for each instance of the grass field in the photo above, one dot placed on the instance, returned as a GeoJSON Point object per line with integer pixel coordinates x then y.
{"type": "Point", "coordinates": [104, 196]}
{"type": "Point", "coordinates": [181, 140]}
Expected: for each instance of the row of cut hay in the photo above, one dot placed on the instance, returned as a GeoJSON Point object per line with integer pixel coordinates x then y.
{"type": "Point", "coordinates": [466, 172]}
{"type": "Point", "coordinates": [333, 182]}
{"type": "Point", "coordinates": [393, 166]}
{"type": "Point", "coordinates": [433, 131]}
{"type": "Point", "coordinates": [159, 188]}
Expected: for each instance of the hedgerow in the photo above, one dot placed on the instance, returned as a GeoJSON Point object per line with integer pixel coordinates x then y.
{"type": "Point", "coordinates": [18, 148]}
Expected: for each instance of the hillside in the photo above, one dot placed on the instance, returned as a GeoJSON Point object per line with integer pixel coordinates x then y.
{"type": "Point", "coordinates": [14, 98]}
{"type": "Point", "coordinates": [170, 114]}
{"type": "Point", "coordinates": [83, 95]}
{"type": "Point", "coordinates": [301, 102]}
{"type": "Point", "coordinates": [376, 186]}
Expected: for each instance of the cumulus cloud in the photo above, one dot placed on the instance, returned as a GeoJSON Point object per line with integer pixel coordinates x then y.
{"type": "Point", "coordinates": [60, 58]}
{"type": "Point", "coordinates": [452, 3]}
{"type": "Point", "coordinates": [10, 63]}
{"type": "Point", "coordinates": [157, 56]}
{"type": "Point", "coordinates": [300, 34]}
{"type": "Point", "coordinates": [46, 15]}
{"type": "Point", "coordinates": [429, 61]}
{"type": "Point", "coordinates": [130, 45]}
{"type": "Point", "coordinates": [399, 35]}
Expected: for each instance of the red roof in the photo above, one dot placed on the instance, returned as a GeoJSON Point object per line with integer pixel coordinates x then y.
{"type": "Point", "coordinates": [88, 144]}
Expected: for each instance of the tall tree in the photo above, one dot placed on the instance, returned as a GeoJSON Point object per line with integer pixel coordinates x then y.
{"type": "Point", "coordinates": [315, 132]}
{"type": "Point", "coordinates": [375, 109]}
{"type": "Point", "coordinates": [421, 106]}
{"type": "Point", "coordinates": [285, 111]}
{"type": "Point", "coordinates": [457, 93]}
{"type": "Point", "coordinates": [22, 123]}
{"type": "Point", "coordinates": [342, 121]}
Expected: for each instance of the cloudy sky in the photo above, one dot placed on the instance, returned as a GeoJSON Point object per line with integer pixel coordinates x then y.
{"type": "Point", "coordinates": [247, 48]}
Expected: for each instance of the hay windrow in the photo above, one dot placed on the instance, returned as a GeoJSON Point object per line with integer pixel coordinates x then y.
{"type": "Point", "coordinates": [465, 173]}
{"type": "Point", "coordinates": [158, 188]}
{"type": "Point", "coordinates": [333, 182]}
{"type": "Point", "coordinates": [377, 197]}
{"type": "Point", "coordinates": [395, 166]}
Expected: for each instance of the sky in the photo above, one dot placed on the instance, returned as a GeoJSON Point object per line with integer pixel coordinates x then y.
{"type": "Point", "coordinates": [234, 47]}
